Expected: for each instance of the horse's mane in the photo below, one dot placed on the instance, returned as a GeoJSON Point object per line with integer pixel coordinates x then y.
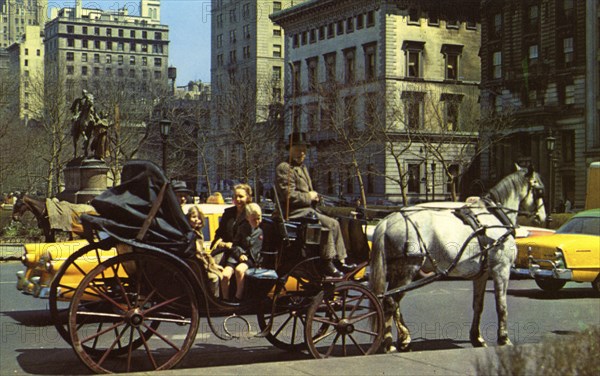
{"type": "Point", "coordinates": [510, 183]}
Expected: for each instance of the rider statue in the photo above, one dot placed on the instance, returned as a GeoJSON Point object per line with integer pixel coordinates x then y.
{"type": "Point", "coordinates": [90, 125]}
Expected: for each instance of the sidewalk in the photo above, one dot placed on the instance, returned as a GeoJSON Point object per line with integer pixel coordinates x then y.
{"type": "Point", "coordinates": [441, 362]}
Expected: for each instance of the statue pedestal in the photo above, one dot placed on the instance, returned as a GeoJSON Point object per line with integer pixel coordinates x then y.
{"type": "Point", "coordinates": [84, 180]}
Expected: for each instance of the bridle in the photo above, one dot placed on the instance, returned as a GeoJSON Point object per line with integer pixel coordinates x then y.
{"type": "Point", "coordinates": [537, 192]}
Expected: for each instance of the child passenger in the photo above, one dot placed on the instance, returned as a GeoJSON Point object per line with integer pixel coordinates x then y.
{"type": "Point", "coordinates": [196, 219]}
{"type": "Point", "coordinates": [245, 251]}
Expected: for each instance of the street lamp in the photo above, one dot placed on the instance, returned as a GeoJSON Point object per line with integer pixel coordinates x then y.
{"type": "Point", "coordinates": [165, 127]}
{"type": "Point", "coordinates": [432, 181]}
{"type": "Point", "coordinates": [550, 145]}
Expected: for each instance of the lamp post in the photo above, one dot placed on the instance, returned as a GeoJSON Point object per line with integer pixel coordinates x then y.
{"type": "Point", "coordinates": [432, 181]}
{"type": "Point", "coordinates": [550, 145]}
{"type": "Point", "coordinates": [165, 127]}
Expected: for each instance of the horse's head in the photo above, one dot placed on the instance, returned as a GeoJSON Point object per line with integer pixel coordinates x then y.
{"type": "Point", "coordinates": [532, 196]}
{"type": "Point", "coordinates": [19, 208]}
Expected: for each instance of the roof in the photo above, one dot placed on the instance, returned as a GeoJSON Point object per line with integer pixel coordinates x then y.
{"type": "Point", "coordinates": [588, 213]}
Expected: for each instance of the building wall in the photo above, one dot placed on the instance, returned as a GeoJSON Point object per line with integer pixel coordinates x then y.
{"type": "Point", "coordinates": [16, 15]}
{"type": "Point", "coordinates": [385, 29]}
{"type": "Point", "coordinates": [104, 45]}
{"type": "Point", "coordinates": [547, 95]}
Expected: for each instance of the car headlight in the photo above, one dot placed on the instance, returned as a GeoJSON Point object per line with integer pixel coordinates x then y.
{"type": "Point", "coordinates": [560, 259]}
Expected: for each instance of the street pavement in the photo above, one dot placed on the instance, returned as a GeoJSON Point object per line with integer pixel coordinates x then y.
{"type": "Point", "coordinates": [469, 361]}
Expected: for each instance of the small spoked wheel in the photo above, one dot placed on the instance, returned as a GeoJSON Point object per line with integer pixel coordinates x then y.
{"type": "Point", "coordinates": [344, 319]}
{"type": "Point", "coordinates": [289, 320]}
{"type": "Point", "coordinates": [144, 305]}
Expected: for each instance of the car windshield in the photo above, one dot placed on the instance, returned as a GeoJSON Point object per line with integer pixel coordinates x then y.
{"type": "Point", "coordinates": [581, 225]}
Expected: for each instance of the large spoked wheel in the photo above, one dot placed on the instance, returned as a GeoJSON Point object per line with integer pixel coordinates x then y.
{"type": "Point", "coordinates": [289, 321]}
{"type": "Point", "coordinates": [133, 294]}
{"type": "Point", "coordinates": [345, 319]}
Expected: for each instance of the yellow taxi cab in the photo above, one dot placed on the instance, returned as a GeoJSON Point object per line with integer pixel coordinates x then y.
{"type": "Point", "coordinates": [572, 253]}
{"type": "Point", "coordinates": [43, 260]}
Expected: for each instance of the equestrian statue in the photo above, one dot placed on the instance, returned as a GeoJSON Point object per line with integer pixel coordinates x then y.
{"type": "Point", "coordinates": [90, 125]}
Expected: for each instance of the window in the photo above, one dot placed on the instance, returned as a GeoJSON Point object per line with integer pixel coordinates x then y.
{"type": "Point", "coordinates": [120, 72]}
{"type": "Point", "coordinates": [157, 36]}
{"type": "Point", "coordinates": [232, 16]}
{"type": "Point", "coordinates": [303, 37]}
{"type": "Point", "coordinates": [452, 21]}
{"type": "Point", "coordinates": [413, 51]}
{"type": "Point", "coordinates": [132, 33]}
{"type": "Point", "coordinates": [96, 58]}
{"type": "Point", "coordinates": [132, 73]}
{"type": "Point", "coordinates": [414, 178]}
{"type": "Point", "coordinates": [350, 114]}
{"type": "Point", "coordinates": [96, 71]}
{"type": "Point", "coordinates": [109, 45]}
{"type": "Point", "coordinates": [566, 14]}
{"type": "Point", "coordinates": [232, 36]}
{"type": "Point", "coordinates": [350, 25]}
{"type": "Point", "coordinates": [145, 61]}
{"type": "Point", "coordinates": [340, 27]}
{"type": "Point", "coordinates": [330, 30]}
{"type": "Point", "coordinates": [533, 54]}
{"type": "Point", "coordinates": [132, 60]}
{"type": "Point", "coordinates": [70, 42]}
{"type": "Point", "coordinates": [232, 56]}
{"type": "Point", "coordinates": [330, 67]}
{"type": "Point", "coordinates": [276, 73]}
{"type": "Point", "coordinates": [452, 53]}
{"type": "Point", "coordinates": [70, 56]}
{"type": "Point", "coordinates": [70, 29]}
{"type": "Point", "coordinates": [413, 107]}
{"type": "Point", "coordinates": [246, 52]}
{"type": "Point", "coordinates": [277, 50]}
{"type": "Point", "coordinates": [296, 82]}
{"type": "Point", "coordinates": [370, 18]}
{"type": "Point", "coordinates": [144, 34]}
{"type": "Point", "coordinates": [451, 110]}
{"type": "Point", "coordinates": [360, 21]}
{"type": "Point", "coordinates": [568, 52]}
{"type": "Point", "coordinates": [496, 31]}
{"type": "Point", "coordinates": [312, 68]}
{"type": "Point", "coordinates": [568, 146]}
{"type": "Point", "coordinates": [96, 31]}
{"type": "Point", "coordinates": [26, 51]}
{"type": "Point", "coordinates": [84, 57]}
{"type": "Point", "coordinates": [312, 36]}
{"type": "Point", "coordinates": [120, 33]}
{"type": "Point", "coordinates": [84, 70]}
{"type": "Point", "coordinates": [84, 43]}
{"type": "Point", "coordinates": [84, 30]}
{"type": "Point", "coordinates": [97, 44]}
{"type": "Point", "coordinates": [157, 62]}
{"type": "Point", "coordinates": [220, 60]}
{"type": "Point", "coordinates": [569, 96]}
{"type": "Point", "coordinates": [295, 41]}
{"type": "Point", "coordinates": [497, 64]}
{"type": "Point", "coordinates": [349, 65]}
{"type": "Point", "coordinates": [120, 46]}
{"type": "Point", "coordinates": [144, 48]}
{"type": "Point", "coordinates": [132, 46]}
{"type": "Point", "coordinates": [246, 11]}
{"type": "Point", "coordinates": [533, 18]}
{"type": "Point", "coordinates": [276, 6]}
{"type": "Point", "coordinates": [219, 41]}
{"type": "Point", "coordinates": [246, 31]}
{"type": "Point", "coordinates": [108, 71]}
{"type": "Point", "coordinates": [370, 61]}
{"type": "Point", "coordinates": [321, 32]}
{"type": "Point", "coordinates": [108, 32]}
{"type": "Point", "coordinates": [108, 59]}
{"type": "Point", "coordinates": [120, 59]}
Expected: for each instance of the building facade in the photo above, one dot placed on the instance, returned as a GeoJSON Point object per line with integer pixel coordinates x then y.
{"type": "Point", "coordinates": [247, 65]}
{"type": "Point", "coordinates": [27, 66]}
{"type": "Point", "coordinates": [16, 15]}
{"type": "Point", "coordinates": [403, 74]}
{"type": "Point", "coordinates": [540, 62]}
{"type": "Point", "coordinates": [87, 47]}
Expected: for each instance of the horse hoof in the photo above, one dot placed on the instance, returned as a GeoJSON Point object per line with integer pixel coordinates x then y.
{"type": "Point", "coordinates": [478, 342]}
{"type": "Point", "coordinates": [404, 347]}
{"type": "Point", "coordinates": [504, 342]}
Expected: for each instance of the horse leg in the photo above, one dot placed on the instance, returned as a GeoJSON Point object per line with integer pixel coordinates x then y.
{"type": "Point", "coordinates": [401, 275]}
{"type": "Point", "coordinates": [478, 295]}
{"type": "Point", "coordinates": [501, 276]}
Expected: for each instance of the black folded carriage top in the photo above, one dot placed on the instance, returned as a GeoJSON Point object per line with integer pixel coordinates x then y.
{"type": "Point", "coordinates": [125, 212]}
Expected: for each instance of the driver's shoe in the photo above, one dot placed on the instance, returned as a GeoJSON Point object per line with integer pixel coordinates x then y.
{"type": "Point", "coordinates": [330, 270]}
{"type": "Point", "coordinates": [344, 268]}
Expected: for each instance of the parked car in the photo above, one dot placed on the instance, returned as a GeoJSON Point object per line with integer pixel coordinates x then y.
{"type": "Point", "coordinates": [572, 253]}
{"type": "Point", "coordinates": [43, 260]}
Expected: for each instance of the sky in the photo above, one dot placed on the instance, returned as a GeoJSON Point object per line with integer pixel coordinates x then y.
{"type": "Point", "coordinates": [189, 32]}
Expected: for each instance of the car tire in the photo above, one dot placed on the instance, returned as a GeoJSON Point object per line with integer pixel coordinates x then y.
{"type": "Point", "coordinates": [596, 284]}
{"type": "Point", "coordinates": [549, 284]}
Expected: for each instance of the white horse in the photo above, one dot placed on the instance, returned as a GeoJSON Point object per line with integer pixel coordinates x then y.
{"type": "Point", "coordinates": [470, 241]}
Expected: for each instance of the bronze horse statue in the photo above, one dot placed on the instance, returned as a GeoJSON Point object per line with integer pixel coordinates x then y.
{"type": "Point", "coordinates": [52, 215]}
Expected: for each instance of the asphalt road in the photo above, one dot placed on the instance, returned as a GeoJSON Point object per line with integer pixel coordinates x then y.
{"type": "Point", "coordinates": [438, 315]}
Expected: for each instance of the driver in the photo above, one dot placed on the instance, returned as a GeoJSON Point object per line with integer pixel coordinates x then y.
{"type": "Point", "coordinates": [295, 189]}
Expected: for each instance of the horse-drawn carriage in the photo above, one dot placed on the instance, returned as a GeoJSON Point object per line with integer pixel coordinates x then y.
{"type": "Point", "coordinates": [141, 309]}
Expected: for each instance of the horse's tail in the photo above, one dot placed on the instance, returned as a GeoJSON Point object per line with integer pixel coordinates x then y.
{"type": "Point", "coordinates": [377, 263]}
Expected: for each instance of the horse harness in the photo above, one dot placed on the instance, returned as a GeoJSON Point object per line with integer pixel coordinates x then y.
{"type": "Point", "coordinates": [469, 218]}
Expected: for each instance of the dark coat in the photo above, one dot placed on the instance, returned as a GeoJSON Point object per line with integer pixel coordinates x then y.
{"type": "Point", "coordinates": [227, 226]}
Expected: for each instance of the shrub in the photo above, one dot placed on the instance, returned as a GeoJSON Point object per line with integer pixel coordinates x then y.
{"type": "Point", "coordinates": [572, 355]}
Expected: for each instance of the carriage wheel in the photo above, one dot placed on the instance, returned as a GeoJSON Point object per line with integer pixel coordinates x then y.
{"type": "Point", "coordinates": [345, 319]}
{"type": "Point", "coordinates": [133, 293]}
{"type": "Point", "coordinates": [64, 284]}
{"type": "Point", "coordinates": [289, 321]}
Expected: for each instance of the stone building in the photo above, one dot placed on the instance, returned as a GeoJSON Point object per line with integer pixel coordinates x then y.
{"type": "Point", "coordinates": [16, 15]}
{"type": "Point", "coordinates": [540, 62]}
{"type": "Point", "coordinates": [87, 47]}
{"type": "Point", "coordinates": [402, 74]}
{"type": "Point", "coordinates": [247, 64]}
